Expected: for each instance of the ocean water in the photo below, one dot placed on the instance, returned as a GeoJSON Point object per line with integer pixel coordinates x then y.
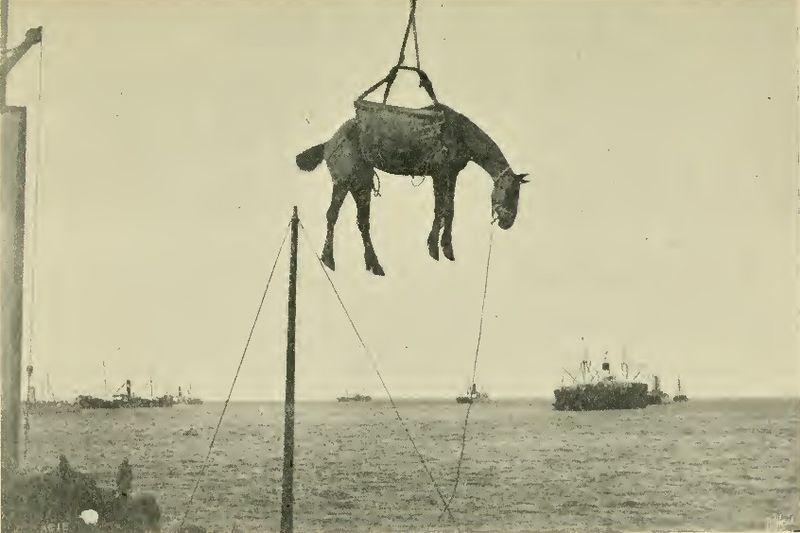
{"type": "Point", "coordinates": [703, 465]}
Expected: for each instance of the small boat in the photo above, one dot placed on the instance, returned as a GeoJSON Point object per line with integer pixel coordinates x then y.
{"type": "Point", "coordinates": [355, 398]}
{"type": "Point", "coordinates": [473, 396]}
{"type": "Point", "coordinates": [680, 396]}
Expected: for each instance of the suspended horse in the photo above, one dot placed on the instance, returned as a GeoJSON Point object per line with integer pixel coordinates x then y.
{"type": "Point", "coordinates": [433, 141]}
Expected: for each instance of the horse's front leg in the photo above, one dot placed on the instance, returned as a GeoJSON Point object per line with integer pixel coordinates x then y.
{"type": "Point", "coordinates": [362, 198]}
{"type": "Point", "coordinates": [448, 211]}
{"type": "Point", "coordinates": [439, 192]}
{"type": "Point", "coordinates": [337, 197]}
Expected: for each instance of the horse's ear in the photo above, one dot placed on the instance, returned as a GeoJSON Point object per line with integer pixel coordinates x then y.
{"type": "Point", "coordinates": [521, 178]}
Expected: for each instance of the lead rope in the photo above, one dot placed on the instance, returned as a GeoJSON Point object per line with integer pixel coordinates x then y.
{"type": "Point", "coordinates": [380, 378]}
{"type": "Point", "coordinates": [474, 373]}
{"type": "Point", "coordinates": [233, 383]}
{"type": "Point", "coordinates": [376, 184]}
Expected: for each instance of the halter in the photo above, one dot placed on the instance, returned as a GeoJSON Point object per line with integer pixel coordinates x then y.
{"type": "Point", "coordinates": [494, 215]}
{"type": "Point", "coordinates": [503, 173]}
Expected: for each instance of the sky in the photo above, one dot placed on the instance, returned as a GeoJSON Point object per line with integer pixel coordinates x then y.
{"type": "Point", "coordinates": [661, 139]}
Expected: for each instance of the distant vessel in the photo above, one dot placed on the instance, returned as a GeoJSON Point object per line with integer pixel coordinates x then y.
{"type": "Point", "coordinates": [48, 399]}
{"type": "Point", "coordinates": [127, 400]}
{"type": "Point", "coordinates": [657, 396]}
{"type": "Point", "coordinates": [602, 391]}
{"type": "Point", "coordinates": [355, 398]}
{"type": "Point", "coordinates": [473, 396]}
{"type": "Point", "coordinates": [680, 396]}
{"type": "Point", "coordinates": [188, 399]}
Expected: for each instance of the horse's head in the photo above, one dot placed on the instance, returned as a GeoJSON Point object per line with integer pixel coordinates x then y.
{"type": "Point", "coordinates": [505, 197]}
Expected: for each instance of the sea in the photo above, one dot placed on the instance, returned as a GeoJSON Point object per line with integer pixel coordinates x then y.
{"type": "Point", "coordinates": [723, 465]}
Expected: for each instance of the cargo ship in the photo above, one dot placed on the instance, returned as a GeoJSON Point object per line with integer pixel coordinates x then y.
{"type": "Point", "coordinates": [127, 400]}
{"type": "Point", "coordinates": [601, 390]}
{"type": "Point", "coordinates": [473, 395]}
{"type": "Point", "coordinates": [355, 398]}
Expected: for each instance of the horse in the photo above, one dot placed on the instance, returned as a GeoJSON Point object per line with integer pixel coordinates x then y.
{"type": "Point", "coordinates": [352, 172]}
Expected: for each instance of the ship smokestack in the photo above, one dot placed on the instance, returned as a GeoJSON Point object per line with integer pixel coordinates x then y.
{"type": "Point", "coordinates": [128, 388]}
{"type": "Point", "coordinates": [606, 367]}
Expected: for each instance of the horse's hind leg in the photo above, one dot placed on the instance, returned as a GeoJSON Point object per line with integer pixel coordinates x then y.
{"type": "Point", "coordinates": [337, 197]}
{"type": "Point", "coordinates": [361, 195]}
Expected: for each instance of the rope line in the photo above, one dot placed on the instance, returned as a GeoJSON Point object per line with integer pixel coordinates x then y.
{"type": "Point", "coordinates": [34, 245]}
{"type": "Point", "coordinates": [411, 22]}
{"type": "Point", "coordinates": [416, 42]}
{"type": "Point", "coordinates": [474, 373]}
{"type": "Point", "coordinates": [380, 378]}
{"type": "Point", "coordinates": [233, 384]}
{"type": "Point", "coordinates": [376, 183]}
{"type": "Point", "coordinates": [41, 60]}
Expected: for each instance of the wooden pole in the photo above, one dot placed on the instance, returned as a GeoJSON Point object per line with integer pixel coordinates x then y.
{"type": "Point", "coordinates": [12, 228]}
{"type": "Point", "coordinates": [287, 501]}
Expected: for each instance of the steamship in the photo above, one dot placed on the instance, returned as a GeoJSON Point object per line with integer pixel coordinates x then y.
{"type": "Point", "coordinates": [602, 390]}
{"type": "Point", "coordinates": [658, 396]}
{"type": "Point", "coordinates": [473, 395]}
{"type": "Point", "coordinates": [126, 400]}
{"type": "Point", "coordinates": [188, 399]}
{"type": "Point", "coordinates": [354, 398]}
{"type": "Point", "coordinates": [680, 396]}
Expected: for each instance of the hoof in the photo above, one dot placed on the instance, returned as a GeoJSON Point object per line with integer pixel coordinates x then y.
{"type": "Point", "coordinates": [433, 246]}
{"type": "Point", "coordinates": [447, 251]}
{"type": "Point", "coordinates": [328, 261]}
{"type": "Point", "coordinates": [433, 251]}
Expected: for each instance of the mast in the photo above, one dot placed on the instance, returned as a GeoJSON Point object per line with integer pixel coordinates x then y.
{"type": "Point", "coordinates": [287, 498]}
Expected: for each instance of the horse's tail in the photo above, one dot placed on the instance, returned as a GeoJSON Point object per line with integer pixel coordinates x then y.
{"type": "Point", "coordinates": [311, 158]}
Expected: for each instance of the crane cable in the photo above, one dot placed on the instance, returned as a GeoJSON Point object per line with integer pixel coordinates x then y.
{"type": "Point", "coordinates": [411, 25]}
{"type": "Point", "coordinates": [34, 245]}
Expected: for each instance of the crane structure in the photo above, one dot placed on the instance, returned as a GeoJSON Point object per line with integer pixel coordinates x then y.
{"type": "Point", "coordinates": [13, 127]}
